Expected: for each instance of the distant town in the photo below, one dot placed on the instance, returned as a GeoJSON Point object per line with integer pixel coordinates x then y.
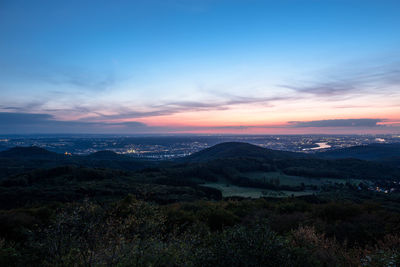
{"type": "Point", "coordinates": [164, 147]}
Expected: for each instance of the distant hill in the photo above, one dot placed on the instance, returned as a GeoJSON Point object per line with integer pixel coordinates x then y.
{"type": "Point", "coordinates": [223, 160]}
{"type": "Point", "coordinates": [230, 160]}
{"type": "Point", "coordinates": [28, 152]}
{"type": "Point", "coordinates": [21, 159]}
{"type": "Point", "coordinates": [239, 150]}
{"type": "Point", "coordinates": [379, 152]}
{"type": "Point", "coordinates": [35, 152]}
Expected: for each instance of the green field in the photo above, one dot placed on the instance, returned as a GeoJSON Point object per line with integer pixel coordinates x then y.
{"type": "Point", "coordinates": [296, 180]}
{"type": "Point", "coordinates": [233, 190]}
{"type": "Point", "coordinates": [229, 190]}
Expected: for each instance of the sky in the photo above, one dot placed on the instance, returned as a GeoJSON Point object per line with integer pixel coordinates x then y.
{"type": "Point", "coordinates": [200, 67]}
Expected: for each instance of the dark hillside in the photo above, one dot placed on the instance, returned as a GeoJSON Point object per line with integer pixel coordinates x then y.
{"type": "Point", "coordinates": [21, 159]}
{"type": "Point", "coordinates": [28, 152]}
{"type": "Point", "coordinates": [368, 152]}
{"type": "Point", "coordinates": [72, 183]}
{"type": "Point", "coordinates": [240, 150]}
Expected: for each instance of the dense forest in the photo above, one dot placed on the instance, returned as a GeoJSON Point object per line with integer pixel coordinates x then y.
{"type": "Point", "coordinates": [106, 209]}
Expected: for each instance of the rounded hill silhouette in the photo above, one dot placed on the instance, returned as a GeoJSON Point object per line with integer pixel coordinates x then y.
{"type": "Point", "coordinates": [27, 152]}
{"type": "Point", "coordinates": [239, 150]}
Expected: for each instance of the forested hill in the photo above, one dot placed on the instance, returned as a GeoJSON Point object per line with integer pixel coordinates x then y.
{"type": "Point", "coordinates": [20, 159]}
{"type": "Point", "coordinates": [370, 162]}
{"type": "Point", "coordinates": [28, 152]}
{"type": "Point", "coordinates": [376, 152]}
{"type": "Point", "coordinates": [240, 150]}
{"type": "Point", "coordinates": [225, 150]}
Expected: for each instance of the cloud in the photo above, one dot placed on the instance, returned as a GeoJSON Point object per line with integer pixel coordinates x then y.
{"type": "Point", "coordinates": [8, 118]}
{"type": "Point", "coordinates": [342, 82]}
{"type": "Point", "coordinates": [336, 84]}
{"type": "Point", "coordinates": [38, 70]}
{"type": "Point", "coordinates": [42, 123]}
{"type": "Point", "coordinates": [174, 107]}
{"type": "Point", "coordinates": [337, 123]}
{"type": "Point", "coordinates": [327, 89]}
{"type": "Point", "coordinates": [27, 107]}
{"type": "Point", "coordinates": [90, 113]}
{"type": "Point", "coordinates": [83, 80]}
{"type": "Point", "coordinates": [46, 123]}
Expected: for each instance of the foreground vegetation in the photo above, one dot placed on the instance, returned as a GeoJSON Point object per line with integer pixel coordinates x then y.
{"type": "Point", "coordinates": [108, 210]}
{"type": "Point", "coordinates": [131, 232]}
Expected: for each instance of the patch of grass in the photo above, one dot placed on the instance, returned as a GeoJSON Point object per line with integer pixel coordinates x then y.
{"type": "Point", "coordinates": [237, 191]}
{"type": "Point", "coordinates": [291, 180]}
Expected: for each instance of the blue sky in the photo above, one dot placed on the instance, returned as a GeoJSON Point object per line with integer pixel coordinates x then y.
{"type": "Point", "coordinates": [199, 66]}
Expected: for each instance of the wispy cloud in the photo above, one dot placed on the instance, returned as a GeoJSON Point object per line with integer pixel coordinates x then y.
{"type": "Point", "coordinates": [336, 84]}
{"type": "Point", "coordinates": [27, 107]}
{"type": "Point", "coordinates": [45, 123]}
{"type": "Point", "coordinates": [346, 81]}
{"type": "Point", "coordinates": [83, 80]}
{"type": "Point", "coordinates": [174, 107]}
{"type": "Point", "coordinates": [45, 72]}
{"type": "Point", "coordinates": [337, 123]}
{"type": "Point", "coordinates": [25, 123]}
